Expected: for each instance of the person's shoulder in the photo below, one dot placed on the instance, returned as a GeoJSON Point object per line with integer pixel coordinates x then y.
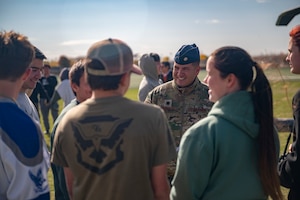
{"type": "Point", "coordinates": [64, 84]}
{"type": "Point", "coordinates": [14, 113]}
{"type": "Point", "coordinates": [9, 107]}
{"type": "Point", "coordinates": [163, 87]}
{"type": "Point", "coordinates": [53, 77]}
{"type": "Point", "coordinates": [22, 100]}
{"type": "Point", "coordinates": [11, 112]}
{"type": "Point", "coordinates": [296, 100]}
{"type": "Point", "coordinates": [203, 125]}
{"type": "Point", "coordinates": [71, 105]}
{"type": "Point", "coordinates": [201, 90]}
{"type": "Point", "coordinates": [65, 110]}
{"type": "Point", "coordinates": [297, 95]}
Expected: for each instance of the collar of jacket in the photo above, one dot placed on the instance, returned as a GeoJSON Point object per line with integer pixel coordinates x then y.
{"type": "Point", "coordinates": [188, 89]}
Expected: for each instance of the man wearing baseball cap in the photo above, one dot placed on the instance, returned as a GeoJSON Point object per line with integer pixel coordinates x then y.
{"type": "Point", "coordinates": [108, 146]}
{"type": "Point", "coordinates": [184, 99]}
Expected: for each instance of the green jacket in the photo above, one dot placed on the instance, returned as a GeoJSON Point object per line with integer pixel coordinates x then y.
{"type": "Point", "coordinates": [218, 156]}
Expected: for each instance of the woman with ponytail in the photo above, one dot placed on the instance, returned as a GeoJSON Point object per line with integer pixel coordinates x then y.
{"type": "Point", "coordinates": [233, 152]}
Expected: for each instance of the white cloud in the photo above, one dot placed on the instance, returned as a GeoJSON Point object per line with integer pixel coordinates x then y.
{"type": "Point", "coordinates": [76, 42]}
{"type": "Point", "coordinates": [209, 21]}
{"type": "Point", "coordinates": [197, 21]}
{"type": "Point", "coordinates": [213, 21]}
{"type": "Point", "coordinates": [262, 1]}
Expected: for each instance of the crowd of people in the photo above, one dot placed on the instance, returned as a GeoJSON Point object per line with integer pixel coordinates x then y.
{"type": "Point", "coordinates": [183, 139]}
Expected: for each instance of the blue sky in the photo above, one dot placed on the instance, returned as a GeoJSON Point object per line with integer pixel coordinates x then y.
{"type": "Point", "coordinates": [69, 27]}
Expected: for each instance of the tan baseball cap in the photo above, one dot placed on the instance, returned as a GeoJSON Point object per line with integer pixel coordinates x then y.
{"type": "Point", "coordinates": [115, 56]}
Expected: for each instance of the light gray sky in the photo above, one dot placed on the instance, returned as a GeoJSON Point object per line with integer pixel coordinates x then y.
{"type": "Point", "coordinates": [69, 27]}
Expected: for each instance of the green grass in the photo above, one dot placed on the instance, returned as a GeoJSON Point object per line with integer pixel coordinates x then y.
{"type": "Point", "coordinates": [283, 87]}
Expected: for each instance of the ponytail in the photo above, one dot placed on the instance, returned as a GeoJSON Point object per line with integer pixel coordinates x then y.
{"type": "Point", "coordinates": [263, 105]}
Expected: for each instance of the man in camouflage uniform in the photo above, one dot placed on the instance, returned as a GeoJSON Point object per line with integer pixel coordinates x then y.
{"type": "Point", "coordinates": [184, 99]}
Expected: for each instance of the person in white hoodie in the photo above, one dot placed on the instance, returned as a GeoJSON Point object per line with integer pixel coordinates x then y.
{"type": "Point", "coordinates": [150, 66]}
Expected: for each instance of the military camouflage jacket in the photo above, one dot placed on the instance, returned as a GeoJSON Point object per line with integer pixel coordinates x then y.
{"type": "Point", "coordinates": [183, 106]}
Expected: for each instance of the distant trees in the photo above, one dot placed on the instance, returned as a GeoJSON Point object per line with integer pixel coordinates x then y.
{"type": "Point", "coordinates": [271, 60]}
{"type": "Point", "coordinates": [64, 61]}
{"type": "Point", "coordinates": [265, 60]}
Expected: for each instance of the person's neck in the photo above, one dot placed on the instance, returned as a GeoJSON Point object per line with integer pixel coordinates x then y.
{"type": "Point", "coordinates": [98, 94]}
{"type": "Point", "coordinates": [23, 89]}
{"type": "Point", "coordinates": [164, 71]}
{"type": "Point", "coordinates": [9, 89]}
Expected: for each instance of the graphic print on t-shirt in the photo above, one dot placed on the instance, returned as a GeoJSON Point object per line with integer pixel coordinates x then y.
{"type": "Point", "coordinates": [98, 142]}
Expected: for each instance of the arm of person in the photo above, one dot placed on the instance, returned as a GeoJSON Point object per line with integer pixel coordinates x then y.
{"type": "Point", "coordinates": [159, 181]}
{"type": "Point", "coordinates": [69, 181]}
{"type": "Point", "coordinates": [54, 98]}
{"type": "Point", "coordinates": [194, 153]}
{"type": "Point", "coordinates": [43, 92]}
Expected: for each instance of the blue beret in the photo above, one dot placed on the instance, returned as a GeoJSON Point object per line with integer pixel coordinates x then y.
{"type": "Point", "coordinates": [187, 54]}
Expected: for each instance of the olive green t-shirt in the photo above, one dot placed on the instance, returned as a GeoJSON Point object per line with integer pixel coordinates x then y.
{"type": "Point", "coordinates": [111, 145]}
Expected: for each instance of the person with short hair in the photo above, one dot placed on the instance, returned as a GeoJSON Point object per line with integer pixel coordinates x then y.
{"type": "Point", "coordinates": [63, 90]}
{"type": "Point", "coordinates": [36, 73]}
{"type": "Point", "coordinates": [233, 152]}
{"type": "Point", "coordinates": [23, 168]}
{"type": "Point", "coordinates": [289, 165]}
{"type": "Point", "coordinates": [165, 72]}
{"type": "Point", "coordinates": [48, 83]}
{"type": "Point", "coordinates": [108, 146]}
{"type": "Point", "coordinates": [184, 99]}
{"type": "Point", "coordinates": [82, 92]}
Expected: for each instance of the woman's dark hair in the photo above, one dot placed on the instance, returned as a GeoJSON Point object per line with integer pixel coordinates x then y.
{"type": "Point", "coordinates": [101, 82]}
{"type": "Point", "coordinates": [234, 60]}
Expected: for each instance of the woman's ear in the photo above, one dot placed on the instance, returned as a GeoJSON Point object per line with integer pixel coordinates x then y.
{"type": "Point", "coordinates": [232, 82]}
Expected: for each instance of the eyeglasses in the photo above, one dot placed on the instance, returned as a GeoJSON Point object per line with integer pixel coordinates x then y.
{"type": "Point", "coordinates": [36, 69]}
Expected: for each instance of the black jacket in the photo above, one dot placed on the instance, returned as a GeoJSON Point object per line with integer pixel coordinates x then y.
{"type": "Point", "coordinates": [289, 166]}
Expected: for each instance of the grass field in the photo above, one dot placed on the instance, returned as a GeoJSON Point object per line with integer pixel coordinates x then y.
{"type": "Point", "coordinates": [284, 86]}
